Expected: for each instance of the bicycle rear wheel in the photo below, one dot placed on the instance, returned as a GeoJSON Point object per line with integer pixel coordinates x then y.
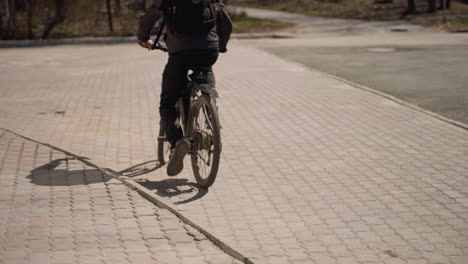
{"type": "Point", "coordinates": [206, 135]}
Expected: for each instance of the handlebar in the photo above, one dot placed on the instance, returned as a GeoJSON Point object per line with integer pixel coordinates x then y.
{"type": "Point", "coordinates": [159, 46]}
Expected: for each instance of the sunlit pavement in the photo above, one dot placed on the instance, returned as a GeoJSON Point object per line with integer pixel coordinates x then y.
{"type": "Point", "coordinates": [313, 170]}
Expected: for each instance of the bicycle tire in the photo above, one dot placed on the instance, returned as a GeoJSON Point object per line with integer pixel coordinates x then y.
{"type": "Point", "coordinates": [207, 107]}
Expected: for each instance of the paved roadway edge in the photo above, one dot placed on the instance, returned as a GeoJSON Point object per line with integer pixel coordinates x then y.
{"type": "Point", "coordinates": [148, 195]}
{"type": "Point", "coordinates": [4, 44]}
{"type": "Point", "coordinates": [371, 90]}
{"type": "Point", "coordinates": [40, 43]}
{"type": "Point", "coordinates": [397, 100]}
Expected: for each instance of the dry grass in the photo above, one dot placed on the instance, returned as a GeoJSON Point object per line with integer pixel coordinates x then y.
{"type": "Point", "coordinates": [245, 24]}
{"type": "Point", "coordinates": [83, 18]}
{"type": "Point", "coordinates": [458, 24]}
{"type": "Point", "coordinates": [355, 9]}
{"type": "Point", "coordinates": [86, 18]}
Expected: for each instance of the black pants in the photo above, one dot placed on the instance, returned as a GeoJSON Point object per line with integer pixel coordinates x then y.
{"type": "Point", "coordinates": [174, 83]}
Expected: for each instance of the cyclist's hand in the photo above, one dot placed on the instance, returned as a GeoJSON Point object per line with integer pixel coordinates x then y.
{"type": "Point", "coordinates": [147, 45]}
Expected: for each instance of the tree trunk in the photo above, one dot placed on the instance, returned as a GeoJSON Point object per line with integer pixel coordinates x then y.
{"type": "Point", "coordinates": [109, 16]}
{"type": "Point", "coordinates": [10, 11]}
{"type": "Point", "coordinates": [59, 18]}
{"type": "Point", "coordinates": [29, 10]}
{"type": "Point", "coordinates": [117, 8]}
{"type": "Point", "coordinates": [447, 4]}
{"type": "Point", "coordinates": [2, 15]}
{"type": "Point", "coordinates": [411, 7]}
{"type": "Point", "coordinates": [431, 6]}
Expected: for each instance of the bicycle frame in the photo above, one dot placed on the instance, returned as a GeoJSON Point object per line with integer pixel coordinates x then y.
{"type": "Point", "coordinates": [186, 126]}
{"type": "Point", "coordinates": [204, 146]}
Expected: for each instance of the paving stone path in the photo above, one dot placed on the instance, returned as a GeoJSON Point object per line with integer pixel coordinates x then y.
{"type": "Point", "coordinates": [54, 209]}
{"type": "Point", "coordinates": [313, 170]}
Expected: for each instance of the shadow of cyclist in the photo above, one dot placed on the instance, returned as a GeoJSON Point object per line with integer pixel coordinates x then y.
{"type": "Point", "coordinates": [56, 173]}
{"type": "Point", "coordinates": [170, 188]}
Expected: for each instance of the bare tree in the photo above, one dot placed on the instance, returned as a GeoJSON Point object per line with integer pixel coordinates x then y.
{"type": "Point", "coordinates": [117, 7]}
{"type": "Point", "coordinates": [29, 13]}
{"type": "Point", "coordinates": [8, 24]}
{"type": "Point", "coordinates": [411, 6]}
{"type": "Point", "coordinates": [2, 15]}
{"type": "Point", "coordinates": [109, 16]}
{"type": "Point", "coordinates": [431, 6]}
{"type": "Point", "coordinates": [411, 9]}
{"type": "Point", "coordinates": [447, 4]}
{"type": "Point", "coordinates": [264, 2]}
{"type": "Point", "coordinates": [59, 17]}
{"type": "Point", "coordinates": [13, 17]}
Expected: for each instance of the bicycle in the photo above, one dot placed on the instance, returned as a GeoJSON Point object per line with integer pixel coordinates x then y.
{"type": "Point", "coordinates": [200, 126]}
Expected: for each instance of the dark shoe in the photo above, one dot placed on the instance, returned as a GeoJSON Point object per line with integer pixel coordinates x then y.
{"type": "Point", "coordinates": [176, 159]}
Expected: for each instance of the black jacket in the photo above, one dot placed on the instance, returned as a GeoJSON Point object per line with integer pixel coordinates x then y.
{"type": "Point", "coordinates": [176, 42]}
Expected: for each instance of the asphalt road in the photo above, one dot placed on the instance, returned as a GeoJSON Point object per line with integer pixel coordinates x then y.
{"type": "Point", "coordinates": [431, 77]}
{"type": "Point", "coordinates": [422, 66]}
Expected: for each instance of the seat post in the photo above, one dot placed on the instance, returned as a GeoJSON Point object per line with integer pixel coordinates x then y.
{"type": "Point", "coordinates": [199, 74]}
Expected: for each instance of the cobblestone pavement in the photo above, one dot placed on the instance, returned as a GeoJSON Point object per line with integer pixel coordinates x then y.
{"type": "Point", "coordinates": [56, 210]}
{"type": "Point", "coordinates": [313, 170]}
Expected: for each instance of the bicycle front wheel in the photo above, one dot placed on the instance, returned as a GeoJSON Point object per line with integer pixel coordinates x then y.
{"type": "Point", "coordinates": [206, 135]}
{"type": "Point", "coordinates": [163, 146]}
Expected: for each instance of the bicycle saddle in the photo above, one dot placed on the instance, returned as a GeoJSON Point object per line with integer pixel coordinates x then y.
{"type": "Point", "coordinates": [199, 74]}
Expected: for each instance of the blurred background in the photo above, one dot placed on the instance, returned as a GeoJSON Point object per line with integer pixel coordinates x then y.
{"type": "Point", "coordinates": [42, 19]}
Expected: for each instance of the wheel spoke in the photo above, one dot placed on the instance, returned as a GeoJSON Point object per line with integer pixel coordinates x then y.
{"type": "Point", "coordinates": [198, 154]}
{"type": "Point", "coordinates": [207, 119]}
{"type": "Point", "coordinates": [205, 152]}
{"type": "Point", "coordinates": [204, 161]}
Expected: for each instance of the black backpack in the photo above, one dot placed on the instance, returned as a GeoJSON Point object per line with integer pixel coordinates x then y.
{"type": "Point", "coordinates": [193, 17]}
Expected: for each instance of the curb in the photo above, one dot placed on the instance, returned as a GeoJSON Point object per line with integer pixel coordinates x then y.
{"type": "Point", "coordinates": [153, 198]}
{"type": "Point", "coordinates": [396, 100]}
{"type": "Point", "coordinates": [110, 40]}
{"type": "Point", "coordinates": [379, 93]}
{"type": "Point", "coordinates": [261, 36]}
{"type": "Point", "coordinates": [160, 202]}
{"type": "Point", "coordinates": [70, 41]}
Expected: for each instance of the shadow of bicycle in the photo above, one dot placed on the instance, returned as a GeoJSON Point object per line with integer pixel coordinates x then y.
{"type": "Point", "coordinates": [141, 169]}
{"type": "Point", "coordinates": [56, 173]}
{"type": "Point", "coordinates": [170, 188]}
{"type": "Point", "coordinates": [179, 188]}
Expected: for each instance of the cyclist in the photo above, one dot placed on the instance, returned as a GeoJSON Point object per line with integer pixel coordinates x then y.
{"type": "Point", "coordinates": [187, 48]}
